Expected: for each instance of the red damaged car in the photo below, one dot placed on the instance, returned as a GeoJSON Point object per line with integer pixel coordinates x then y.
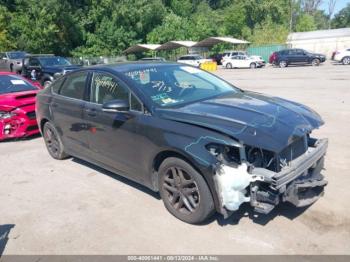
{"type": "Point", "coordinates": [17, 106]}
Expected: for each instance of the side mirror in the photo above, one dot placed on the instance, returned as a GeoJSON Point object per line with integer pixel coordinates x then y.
{"type": "Point", "coordinates": [117, 105]}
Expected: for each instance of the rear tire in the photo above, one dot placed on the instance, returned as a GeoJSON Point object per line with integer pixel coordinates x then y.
{"type": "Point", "coordinates": [184, 191]}
{"type": "Point", "coordinates": [53, 142]}
{"type": "Point", "coordinates": [346, 60]}
{"type": "Point", "coordinates": [252, 66]}
{"type": "Point", "coordinates": [283, 64]}
{"type": "Point", "coordinates": [229, 66]}
{"type": "Point", "coordinates": [315, 62]}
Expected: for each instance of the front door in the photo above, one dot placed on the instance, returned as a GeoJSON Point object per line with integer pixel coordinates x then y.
{"type": "Point", "coordinates": [113, 136]}
{"type": "Point", "coordinates": [300, 55]}
{"type": "Point", "coordinates": [34, 70]}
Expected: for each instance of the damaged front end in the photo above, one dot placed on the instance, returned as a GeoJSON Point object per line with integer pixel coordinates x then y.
{"type": "Point", "coordinates": [16, 123]}
{"type": "Point", "coordinates": [265, 179]}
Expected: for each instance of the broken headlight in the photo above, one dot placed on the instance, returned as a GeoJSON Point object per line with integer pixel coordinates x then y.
{"type": "Point", "coordinates": [6, 115]}
{"type": "Point", "coordinates": [261, 158]}
{"type": "Point", "coordinates": [225, 153]}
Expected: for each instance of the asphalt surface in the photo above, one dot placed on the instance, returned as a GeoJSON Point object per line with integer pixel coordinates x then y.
{"type": "Point", "coordinates": [72, 207]}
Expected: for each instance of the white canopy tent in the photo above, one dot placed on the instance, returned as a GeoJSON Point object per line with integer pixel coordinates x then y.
{"type": "Point", "coordinates": [176, 44]}
{"type": "Point", "coordinates": [211, 41]}
{"type": "Point", "coordinates": [141, 48]}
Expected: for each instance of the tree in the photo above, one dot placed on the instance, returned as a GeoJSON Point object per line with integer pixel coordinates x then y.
{"type": "Point", "coordinates": [331, 6]}
{"type": "Point", "coordinates": [342, 18]}
{"type": "Point", "coordinates": [5, 42]}
{"type": "Point", "coordinates": [44, 27]}
{"type": "Point", "coordinates": [269, 33]}
{"type": "Point", "coordinates": [310, 6]}
{"type": "Point", "coordinates": [305, 23]}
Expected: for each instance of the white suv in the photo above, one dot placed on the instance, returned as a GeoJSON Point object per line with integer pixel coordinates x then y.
{"type": "Point", "coordinates": [193, 60]}
{"type": "Point", "coordinates": [342, 56]}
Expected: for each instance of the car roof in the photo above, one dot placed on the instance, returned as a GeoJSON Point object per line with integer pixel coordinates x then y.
{"type": "Point", "coordinates": [129, 66]}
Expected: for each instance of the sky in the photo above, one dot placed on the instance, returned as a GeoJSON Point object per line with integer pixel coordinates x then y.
{"type": "Point", "coordinates": [340, 4]}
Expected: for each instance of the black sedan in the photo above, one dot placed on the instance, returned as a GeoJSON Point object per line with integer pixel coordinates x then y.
{"type": "Point", "coordinates": [200, 142]}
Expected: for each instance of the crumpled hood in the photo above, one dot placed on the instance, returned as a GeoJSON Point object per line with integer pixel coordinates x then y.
{"type": "Point", "coordinates": [11, 101]}
{"type": "Point", "coordinates": [258, 120]}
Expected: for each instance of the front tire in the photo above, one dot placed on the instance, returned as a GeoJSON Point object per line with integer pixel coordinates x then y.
{"type": "Point", "coordinates": [184, 191]}
{"type": "Point", "coordinates": [252, 66]}
{"type": "Point", "coordinates": [346, 60]}
{"type": "Point", "coordinates": [53, 142]}
{"type": "Point", "coordinates": [229, 66]}
{"type": "Point", "coordinates": [315, 62]}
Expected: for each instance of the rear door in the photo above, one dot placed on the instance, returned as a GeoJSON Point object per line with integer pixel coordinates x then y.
{"type": "Point", "coordinates": [67, 112]}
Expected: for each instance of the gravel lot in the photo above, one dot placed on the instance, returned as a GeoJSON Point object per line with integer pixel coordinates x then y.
{"type": "Point", "coordinates": [71, 207]}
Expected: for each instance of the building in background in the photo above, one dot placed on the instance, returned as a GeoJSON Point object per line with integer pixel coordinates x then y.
{"type": "Point", "coordinates": [321, 41]}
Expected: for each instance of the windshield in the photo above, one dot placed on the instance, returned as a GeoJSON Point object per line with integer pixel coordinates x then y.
{"type": "Point", "coordinates": [16, 55]}
{"type": "Point", "coordinates": [168, 86]}
{"type": "Point", "coordinates": [13, 83]}
{"type": "Point", "coordinates": [54, 61]}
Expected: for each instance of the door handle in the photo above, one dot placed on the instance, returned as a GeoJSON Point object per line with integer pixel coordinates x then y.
{"type": "Point", "coordinates": [91, 112]}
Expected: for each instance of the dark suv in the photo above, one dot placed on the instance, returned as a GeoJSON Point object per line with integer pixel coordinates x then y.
{"type": "Point", "coordinates": [287, 57]}
{"type": "Point", "coordinates": [46, 68]}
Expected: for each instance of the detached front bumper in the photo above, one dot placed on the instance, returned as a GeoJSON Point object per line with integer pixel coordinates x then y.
{"type": "Point", "coordinates": [299, 183]}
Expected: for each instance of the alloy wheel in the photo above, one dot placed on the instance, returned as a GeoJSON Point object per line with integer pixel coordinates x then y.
{"type": "Point", "coordinates": [182, 190]}
{"type": "Point", "coordinates": [283, 64]}
{"type": "Point", "coordinates": [51, 140]}
{"type": "Point", "coordinates": [346, 60]}
{"type": "Point", "coordinates": [315, 62]}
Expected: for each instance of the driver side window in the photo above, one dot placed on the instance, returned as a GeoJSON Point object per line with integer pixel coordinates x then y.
{"type": "Point", "coordinates": [34, 62]}
{"type": "Point", "coordinates": [105, 88]}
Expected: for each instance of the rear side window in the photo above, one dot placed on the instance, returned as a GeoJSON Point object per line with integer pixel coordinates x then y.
{"type": "Point", "coordinates": [57, 84]}
{"type": "Point", "coordinates": [105, 88]}
{"type": "Point", "coordinates": [74, 86]}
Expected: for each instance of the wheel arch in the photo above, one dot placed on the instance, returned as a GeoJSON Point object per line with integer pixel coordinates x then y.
{"type": "Point", "coordinates": [160, 157]}
{"type": "Point", "coordinates": [42, 123]}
